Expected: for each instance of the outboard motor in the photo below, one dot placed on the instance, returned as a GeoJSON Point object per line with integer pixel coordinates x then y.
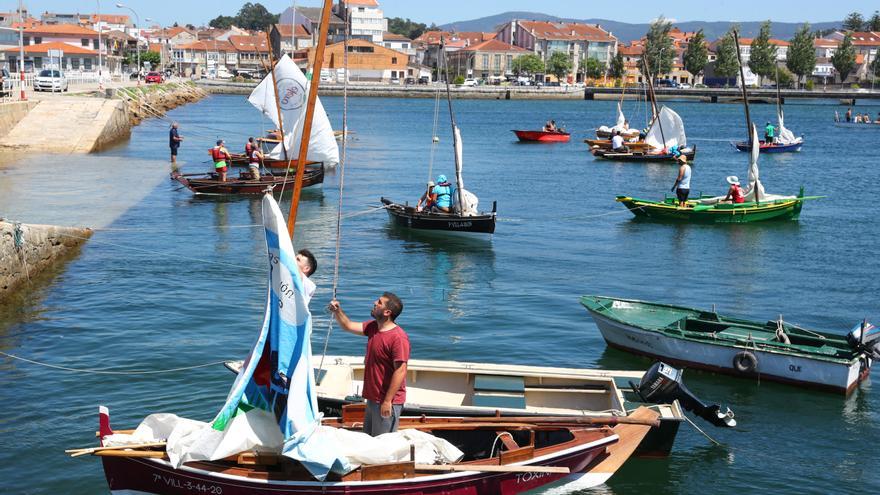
{"type": "Point", "coordinates": [865, 337]}
{"type": "Point", "coordinates": [662, 384]}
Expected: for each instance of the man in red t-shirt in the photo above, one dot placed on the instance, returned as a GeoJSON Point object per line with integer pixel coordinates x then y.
{"type": "Point", "coordinates": [384, 363]}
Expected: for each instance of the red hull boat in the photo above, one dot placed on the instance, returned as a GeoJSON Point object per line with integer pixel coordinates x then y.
{"type": "Point", "coordinates": [543, 136]}
{"type": "Point", "coordinates": [579, 456]}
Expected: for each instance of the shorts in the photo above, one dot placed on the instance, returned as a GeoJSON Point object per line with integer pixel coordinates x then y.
{"type": "Point", "coordinates": [254, 167]}
{"type": "Point", "coordinates": [375, 424]}
{"type": "Point", "coordinates": [221, 170]}
{"type": "Point", "coordinates": [174, 151]}
{"type": "Point", "coordinates": [219, 165]}
{"type": "Point", "coordinates": [682, 194]}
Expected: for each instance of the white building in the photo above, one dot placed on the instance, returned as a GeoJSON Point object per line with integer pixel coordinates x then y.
{"type": "Point", "coordinates": [365, 18]}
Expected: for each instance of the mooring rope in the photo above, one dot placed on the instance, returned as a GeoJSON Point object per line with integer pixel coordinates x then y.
{"type": "Point", "coordinates": [112, 372]}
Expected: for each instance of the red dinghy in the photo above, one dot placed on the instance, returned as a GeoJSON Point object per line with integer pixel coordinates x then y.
{"type": "Point", "coordinates": [543, 136]}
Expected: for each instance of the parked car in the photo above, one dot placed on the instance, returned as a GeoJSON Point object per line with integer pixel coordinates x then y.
{"type": "Point", "coordinates": [154, 77]}
{"type": "Point", "coordinates": [469, 82]}
{"type": "Point", "coordinates": [684, 86]}
{"type": "Point", "coordinates": [50, 80]}
{"type": "Point", "coordinates": [424, 79]}
{"type": "Point", "coordinates": [5, 83]}
{"type": "Point", "coordinates": [665, 83]}
{"type": "Point", "coordinates": [409, 80]}
{"type": "Point", "coordinates": [395, 80]}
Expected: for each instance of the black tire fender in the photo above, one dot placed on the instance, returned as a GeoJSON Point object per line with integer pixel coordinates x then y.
{"type": "Point", "coordinates": [745, 362]}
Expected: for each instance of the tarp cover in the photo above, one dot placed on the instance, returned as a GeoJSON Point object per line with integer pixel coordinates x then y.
{"type": "Point", "coordinates": [292, 95]}
{"type": "Point", "coordinates": [785, 136]}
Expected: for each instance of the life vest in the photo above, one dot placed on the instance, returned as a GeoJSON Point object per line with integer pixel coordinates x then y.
{"type": "Point", "coordinates": [248, 148]}
{"type": "Point", "coordinates": [218, 154]}
{"type": "Point", "coordinates": [253, 156]}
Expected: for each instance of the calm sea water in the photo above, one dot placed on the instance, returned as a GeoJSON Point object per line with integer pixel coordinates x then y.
{"type": "Point", "coordinates": [172, 281]}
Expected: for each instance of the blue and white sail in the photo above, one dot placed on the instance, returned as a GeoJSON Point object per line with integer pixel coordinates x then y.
{"type": "Point", "coordinates": [272, 405]}
{"type": "Point", "coordinates": [291, 88]}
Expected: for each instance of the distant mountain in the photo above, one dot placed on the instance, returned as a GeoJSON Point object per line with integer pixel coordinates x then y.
{"type": "Point", "coordinates": [627, 32]}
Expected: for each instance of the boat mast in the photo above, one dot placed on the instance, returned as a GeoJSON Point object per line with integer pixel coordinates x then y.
{"type": "Point", "coordinates": [778, 97]}
{"type": "Point", "coordinates": [309, 116]}
{"type": "Point", "coordinates": [742, 85]}
{"type": "Point", "coordinates": [653, 96]}
{"type": "Point", "coordinates": [455, 143]}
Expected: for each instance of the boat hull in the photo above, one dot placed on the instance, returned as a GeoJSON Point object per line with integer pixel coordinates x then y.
{"type": "Point", "coordinates": [157, 476]}
{"type": "Point", "coordinates": [720, 354]}
{"type": "Point", "coordinates": [641, 156]}
{"type": "Point", "coordinates": [407, 216]}
{"type": "Point", "coordinates": [668, 211]}
{"type": "Point", "coordinates": [211, 186]}
{"type": "Point", "coordinates": [543, 136]}
{"type": "Point", "coordinates": [605, 144]}
{"type": "Point", "coordinates": [770, 148]}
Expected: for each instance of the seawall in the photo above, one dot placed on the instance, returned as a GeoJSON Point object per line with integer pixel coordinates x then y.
{"type": "Point", "coordinates": [26, 251]}
{"type": "Point", "coordinates": [11, 114]}
{"type": "Point", "coordinates": [88, 122]}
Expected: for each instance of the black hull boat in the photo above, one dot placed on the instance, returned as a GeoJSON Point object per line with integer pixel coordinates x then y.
{"type": "Point", "coordinates": [639, 156]}
{"type": "Point", "coordinates": [408, 216]}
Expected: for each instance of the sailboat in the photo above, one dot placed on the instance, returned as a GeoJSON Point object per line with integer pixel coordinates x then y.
{"type": "Point", "coordinates": [785, 142]}
{"type": "Point", "coordinates": [605, 132]}
{"type": "Point", "coordinates": [464, 217]}
{"type": "Point", "coordinates": [666, 139]}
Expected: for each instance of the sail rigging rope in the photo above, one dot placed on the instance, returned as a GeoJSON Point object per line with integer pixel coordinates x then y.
{"type": "Point", "coordinates": [112, 372]}
{"type": "Point", "coordinates": [434, 138]}
{"type": "Point", "coordinates": [342, 161]}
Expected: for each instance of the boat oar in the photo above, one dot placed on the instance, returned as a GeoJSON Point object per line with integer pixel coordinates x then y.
{"type": "Point", "coordinates": [93, 450]}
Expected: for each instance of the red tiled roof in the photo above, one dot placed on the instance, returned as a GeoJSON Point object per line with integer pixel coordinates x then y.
{"type": "Point", "coordinates": [566, 31]}
{"type": "Point", "coordinates": [394, 37]}
{"type": "Point", "coordinates": [494, 46]}
{"type": "Point", "coordinates": [630, 51]}
{"type": "Point", "coordinates": [301, 31]}
{"type": "Point", "coordinates": [255, 43]}
{"type": "Point", "coordinates": [823, 43]}
{"type": "Point", "coordinates": [865, 38]}
{"type": "Point", "coordinates": [748, 41]}
{"type": "Point", "coordinates": [55, 45]}
{"type": "Point", "coordinates": [109, 18]}
{"type": "Point", "coordinates": [61, 29]}
{"type": "Point", "coordinates": [203, 45]}
{"type": "Point", "coordinates": [363, 3]}
{"type": "Point", "coordinates": [473, 37]}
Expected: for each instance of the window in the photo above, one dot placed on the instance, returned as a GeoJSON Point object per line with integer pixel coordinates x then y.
{"type": "Point", "coordinates": [497, 61]}
{"type": "Point", "coordinates": [38, 62]}
{"type": "Point", "coordinates": [95, 43]}
{"type": "Point", "coordinates": [37, 40]}
{"type": "Point", "coordinates": [485, 61]}
{"type": "Point", "coordinates": [393, 60]}
{"type": "Point", "coordinates": [87, 64]}
{"type": "Point", "coordinates": [509, 61]}
{"type": "Point", "coordinates": [84, 42]}
{"type": "Point", "coordinates": [27, 40]}
{"type": "Point", "coordinates": [74, 63]}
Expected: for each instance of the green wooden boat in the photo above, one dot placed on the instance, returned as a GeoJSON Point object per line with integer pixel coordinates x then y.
{"type": "Point", "coordinates": [772, 350]}
{"type": "Point", "coordinates": [668, 210]}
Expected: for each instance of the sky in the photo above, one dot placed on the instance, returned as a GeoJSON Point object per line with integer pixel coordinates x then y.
{"type": "Point", "coordinates": [199, 12]}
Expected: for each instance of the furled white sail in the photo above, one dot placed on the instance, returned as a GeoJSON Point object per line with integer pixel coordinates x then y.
{"type": "Point", "coordinates": [785, 136]}
{"type": "Point", "coordinates": [620, 118]}
{"type": "Point", "coordinates": [666, 131]}
{"type": "Point", "coordinates": [463, 200]}
{"type": "Point", "coordinates": [292, 94]}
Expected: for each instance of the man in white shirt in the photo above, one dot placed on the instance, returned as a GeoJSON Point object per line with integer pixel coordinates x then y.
{"type": "Point", "coordinates": [617, 143]}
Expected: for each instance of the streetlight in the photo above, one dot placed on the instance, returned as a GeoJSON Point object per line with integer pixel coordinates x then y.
{"type": "Point", "coordinates": [21, 50]}
{"type": "Point", "coordinates": [100, 47]}
{"type": "Point", "coordinates": [136, 38]}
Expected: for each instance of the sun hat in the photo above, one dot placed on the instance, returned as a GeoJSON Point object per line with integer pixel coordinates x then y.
{"type": "Point", "coordinates": [682, 158]}
{"type": "Point", "coordinates": [431, 183]}
{"type": "Point", "coordinates": [441, 178]}
{"type": "Point", "coordinates": [733, 180]}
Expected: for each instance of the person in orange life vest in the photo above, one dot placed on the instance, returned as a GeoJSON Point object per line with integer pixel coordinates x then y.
{"type": "Point", "coordinates": [249, 146]}
{"type": "Point", "coordinates": [428, 198]}
{"type": "Point", "coordinates": [734, 193]}
{"type": "Point", "coordinates": [220, 156]}
{"type": "Point", "coordinates": [384, 363]}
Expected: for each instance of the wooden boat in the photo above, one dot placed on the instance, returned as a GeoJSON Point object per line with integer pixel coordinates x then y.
{"type": "Point", "coordinates": [606, 134]}
{"type": "Point", "coordinates": [668, 210]}
{"type": "Point", "coordinates": [245, 184]}
{"type": "Point", "coordinates": [502, 456]}
{"type": "Point", "coordinates": [770, 147]}
{"type": "Point", "coordinates": [543, 136]}
{"type": "Point", "coordinates": [644, 155]}
{"type": "Point", "coordinates": [605, 144]}
{"type": "Point", "coordinates": [407, 216]}
{"type": "Point", "coordinates": [858, 125]}
{"type": "Point", "coordinates": [464, 215]}
{"type": "Point", "coordinates": [450, 388]}
{"type": "Point", "coordinates": [772, 350]}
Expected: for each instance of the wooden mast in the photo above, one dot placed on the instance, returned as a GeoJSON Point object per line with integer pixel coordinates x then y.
{"type": "Point", "coordinates": [455, 143]}
{"type": "Point", "coordinates": [310, 113]}
{"type": "Point", "coordinates": [653, 98]}
{"type": "Point", "coordinates": [277, 103]}
{"type": "Point", "coordinates": [742, 85]}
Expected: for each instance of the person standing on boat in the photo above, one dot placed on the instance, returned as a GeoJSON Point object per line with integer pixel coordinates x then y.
{"type": "Point", "coordinates": [443, 195]}
{"type": "Point", "coordinates": [734, 192]}
{"type": "Point", "coordinates": [617, 143]}
{"type": "Point", "coordinates": [769, 133]}
{"type": "Point", "coordinates": [682, 186]}
{"type": "Point", "coordinates": [848, 115]}
{"type": "Point", "coordinates": [249, 146]}
{"type": "Point", "coordinates": [220, 156]}
{"type": "Point", "coordinates": [307, 264]}
{"type": "Point", "coordinates": [384, 363]}
{"type": "Point", "coordinates": [174, 140]}
{"type": "Point", "coordinates": [255, 158]}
